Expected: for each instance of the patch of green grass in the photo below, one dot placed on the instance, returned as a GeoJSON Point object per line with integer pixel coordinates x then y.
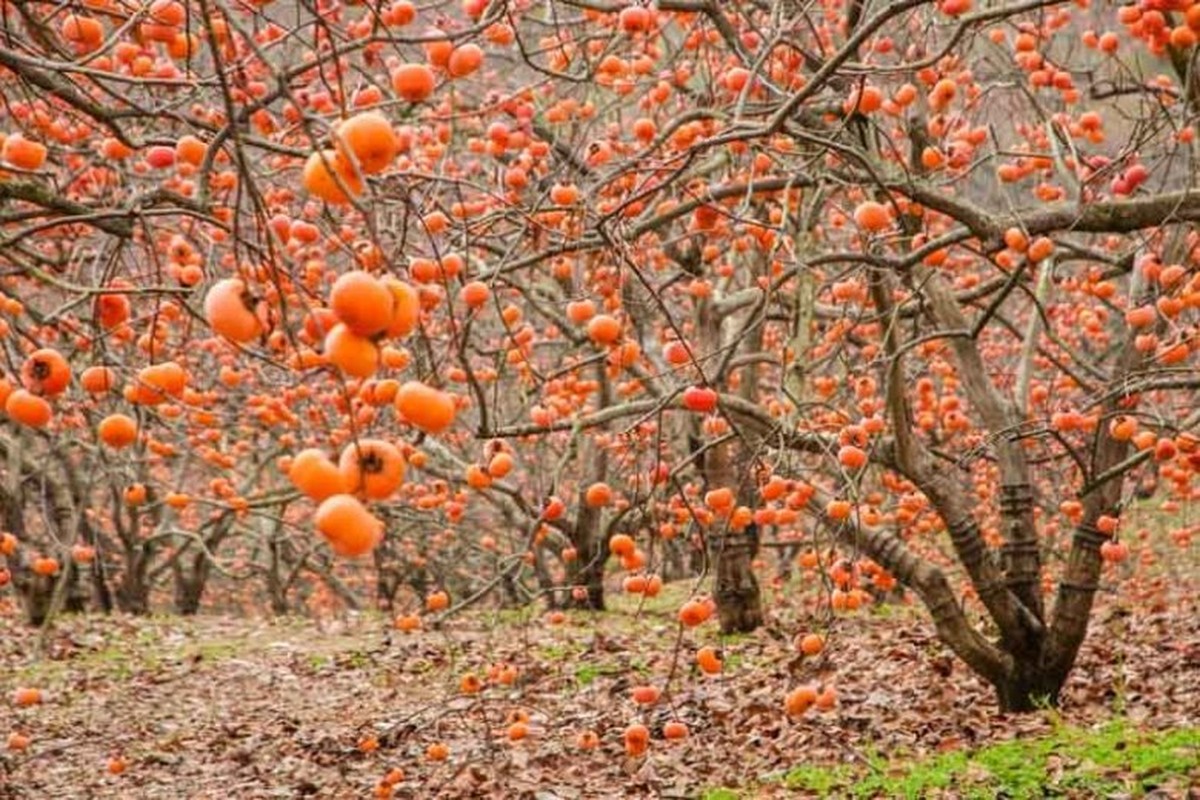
{"type": "Point", "coordinates": [730, 639]}
{"type": "Point", "coordinates": [520, 615]}
{"type": "Point", "coordinates": [1114, 759]}
{"type": "Point", "coordinates": [214, 650]}
{"type": "Point", "coordinates": [354, 659]}
{"type": "Point", "coordinates": [560, 652]}
{"type": "Point", "coordinates": [114, 662]}
{"type": "Point", "coordinates": [720, 794]}
{"type": "Point", "coordinates": [819, 780]}
{"type": "Point", "coordinates": [586, 674]}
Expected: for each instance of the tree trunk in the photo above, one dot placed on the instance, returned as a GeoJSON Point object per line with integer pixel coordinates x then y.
{"type": "Point", "coordinates": [739, 601]}
{"type": "Point", "coordinates": [1028, 690]}
{"type": "Point", "coordinates": [587, 570]}
{"type": "Point", "coordinates": [276, 587]}
{"type": "Point", "coordinates": [36, 593]}
{"type": "Point", "coordinates": [188, 593]}
{"type": "Point", "coordinates": [133, 591]}
{"type": "Point", "coordinates": [190, 585]}
{"type": "Point", "coordinates": [387, 577]}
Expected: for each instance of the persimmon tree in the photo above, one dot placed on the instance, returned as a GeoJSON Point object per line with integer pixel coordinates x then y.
{"type": "Point", "coordinates": [494, 291]}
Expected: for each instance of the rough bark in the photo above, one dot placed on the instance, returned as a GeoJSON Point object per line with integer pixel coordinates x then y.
{"type": "Point", "coordinates": [736, 590]}
{"type": "Point", "coordinates": [133, 590]}
{"type": "Point", "coordinates": [587, 570]}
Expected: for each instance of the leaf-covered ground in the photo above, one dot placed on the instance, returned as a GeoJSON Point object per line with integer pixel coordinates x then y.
{"type": "Point", "coordinates": [214, 707]}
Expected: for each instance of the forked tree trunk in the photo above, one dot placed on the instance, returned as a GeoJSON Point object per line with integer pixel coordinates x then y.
{"type": "Point", "coordinates": [1028, 689]}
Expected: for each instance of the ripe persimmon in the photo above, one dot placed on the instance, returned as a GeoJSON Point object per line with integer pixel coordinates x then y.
{"type": "Point", "coordinates": [621, 545]}
{"type": "Point", "coordinates": [474, 294]}
{"type": "Point", "coordinates": [28, 409]}
{"type": "Point", "coordinates": [45, 372]}
{"type": "Point", "coordinates": [719, 499]}
{"type": "Point", "coordinates": [45, 565]}
{"type": "Point", "coordinates": [1040, 249]}
{"type": "Point", "coordinates": [87, 32]}
{"type": "Point", "coordinates": [645, 695]}
{"type": "Point", "coordinates": [372, 467]}
{"type": "Point", "coordinates": [354, 355]}
{"type": "Point", "coordinates": [694, 612]}
{"type": "Point", "coordinates": [98, 379]}
{"type": "Point", "coordinates": [112, 310]}
{"type": "Point", "coordinates": [872, 216]}
{"type": "Point", "coordinates": [838, 509]}
{"type": "Point", "coordinates": [429, 409]}
{"type": "Point", "coordinates": [477, 478]}
{"type": "Point", "coordinates": [799, 700]}
{"type": "Point", "coordinates": [322, 173]}
{"type": "Point", "coordinates": [464, 59]}
{"type": "Point", "coordinates": [580, 311]}
{"type": "Point", "coordinates": [368, 139]}
{"type": "Point", "coordinates": [603, 329]}
{"type": "Point", "coordinates": [117, 430]}
{"type": "Point", "coordinates": [413, 82]}
{"type": "Point", "coordinates": [851, 457]}
{"type": "Point", "coordinates": [637, 739]}
{"type": "Point", "coordinates": [407, 623]}
{"type": "Point", "coordinates": [135, 494]}
{"type": "Point", "coordinates": [701, 399]}
{"type": "Point", "coordinates": [23, 153]}
{"type": "Point", "coordinates": [348, 526]}
{"type": "Point", "coordinates": [708, 660]}
{"type": "Point", "coordinates": [598, 494]}
{"type": "Point", "coordinates": [190, 150]}
{"type": "Point", "coordinates": [228, 309]}
{"type": "Point", "coordinates": [674, 730]}
{"type": "Point", "coordinates": [634, 19]}
{"type": "Point", "coordinates": [564, 194]}
{"type": "Point", "coordinates": [500, 465]}
{"type": "Point", "coordinates": [314, 474]}
{"type": "Point", "coordinates": [406, 308]}
{"type": "Point", "coordinates": [827, 699]}
{"type": "Point", "coordinates": [1123, 427]}
{"type": "Point", "coordinates": [810, 644]}
{"type": "Point", "coordinates": [362, 302]}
